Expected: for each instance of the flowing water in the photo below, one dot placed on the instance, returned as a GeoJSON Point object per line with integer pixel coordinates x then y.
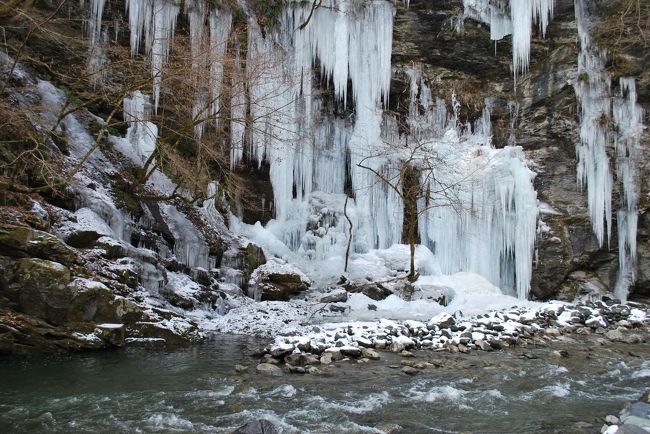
{"type": "Point", "coordinates": [195, 389]}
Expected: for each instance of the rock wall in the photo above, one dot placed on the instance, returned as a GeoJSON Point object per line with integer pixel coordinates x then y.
{"type": "Point", "coordinates": [541, 113]}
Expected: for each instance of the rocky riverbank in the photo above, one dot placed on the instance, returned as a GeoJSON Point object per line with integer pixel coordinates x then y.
{"type": "Point", "coordinates": [633, 419]}
{"type": "Point", "coordinates": [495, 330]}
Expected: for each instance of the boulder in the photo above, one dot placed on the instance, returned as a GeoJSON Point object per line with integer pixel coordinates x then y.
{"type": "Point", "coordinates": [40, 288]}
{"type": "Point", "coordinates": [336, 296]}
{"type": "Point", "coordinates": [275, 281]}
{"type": "Point", "coordinates": [370, 354]}
{"type": "Point", "coordinates": [87, 229]}
{"type": "Point", "coordinates": [261, 426]}
{"type": "Point", "coordinates": [22, 241]}
{"type": "Point", "coordinates": [269, 370]}
{"type": "Point", "coordinates": [114, 334]}
{"type": "Point", "coordinates": [22, 334]}
{"type": "Point", "coordinates": [376, 291]}
{"type": "Point", "coordinates": [409, 370]}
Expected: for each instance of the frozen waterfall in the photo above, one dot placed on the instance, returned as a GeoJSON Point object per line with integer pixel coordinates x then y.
{"type": "Point", "coordinates": [486, 216]}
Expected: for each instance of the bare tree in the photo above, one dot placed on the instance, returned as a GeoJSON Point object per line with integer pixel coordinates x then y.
{"type": "Point", "coordinates": [412, 175]}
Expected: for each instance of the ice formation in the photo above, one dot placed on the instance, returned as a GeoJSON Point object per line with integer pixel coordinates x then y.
{"type": "Point", "coordinates": [628, 116]}
{"type": "Point", "coordinates": [142, 134]}
{"type": "Point", "coordinates": [607, 119]}
{"type": "Point", "coordinates": [480, 211]}
{"type": "Point", "coordinates": [155, 21]}
{"type": "Point", "coordinates": [518, 22]}
{"type": "Point", "coordinates": [592, 90]}
{"type": "Point", "coordinates": [189, 246]}
{"type": "Point", "coordinates": [486, 216]}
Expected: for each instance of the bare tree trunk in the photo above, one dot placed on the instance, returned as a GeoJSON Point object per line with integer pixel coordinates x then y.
{"type": "Point", "coordinates": [347, 251]}
{"type": "Point", "coordinates": [412, 276]}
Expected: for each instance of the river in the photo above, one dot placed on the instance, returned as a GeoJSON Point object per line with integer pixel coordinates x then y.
{"type": "Point", "coordinates": [196, 389]}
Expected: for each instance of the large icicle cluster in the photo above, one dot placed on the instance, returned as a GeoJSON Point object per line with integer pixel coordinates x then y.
{"type": "Point", "coordinates": [481, 211]}
{"type": "Point", "coordinates": [486, 216]}
{"type": "Point", "coordinates": [515, 17]}
{"type": "Point", "coordinates": [607, 120]}
{"type": "Point", "coordinates": [352, 43]}
{"type": "Point", "coordinates": [593, 92]}
{"type": "Point", "coordinates": [628, 116]}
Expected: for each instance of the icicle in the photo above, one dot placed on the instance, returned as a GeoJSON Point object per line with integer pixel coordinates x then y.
{"type": "Point", "coordinates": [220, 26]}
{"type": "Point", "coordinates": [156, 21]}
{"type": "Point", "coordinates": [97, 59]}
{"type": "Point", "coordinates": [592, 90]}
{"type": "Point", "coordinates": [197, 12]}
{"type": "Point", "coordinates": [628, 116]}
{"type": "Point", "coordinates": [141, 133]}
{"type": "Point", "coordinates": [523, 13]}
{"type": "Point", "coordinates": [164, 24]}
{"type": "Point", "coordinates": [95, 23]}
{"type": "Point", "coordinates": [237, 112]}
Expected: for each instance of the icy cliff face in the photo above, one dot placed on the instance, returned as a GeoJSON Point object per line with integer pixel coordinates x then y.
{"type": "Point", "coordinates": [484, 216]}
{"type": "Point", "coordinates": [485, 213]}
{"type": "Point", "coordinates": [608, 121]}
{"type": "Point", "coordinates": [283, 79]}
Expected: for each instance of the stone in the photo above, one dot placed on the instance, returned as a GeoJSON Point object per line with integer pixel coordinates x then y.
{"type": "Point", "coordinates": [326, 358]}
{"type": "Point", "coordinates": [641, 422]}
{"type": "Point", "coordinates": [261, 426]}
{"type": "Point", "coordinates": [351, 351]}
{"type": "Point", "coordinates": [40, 288]}
{"type": "Point", "coordinates": [273, 282]}
{"type": "Point", "coordinates": [552, 331]}
{"type": "Point", "coordinates": [339, 296]}
{"type": "Point", "coordinates": [335, 353]}
{"type": "Point", "coordinates": [560, 353]}
{"type": "Point", "coordinates": [630, 429]}
{"type": "Point", "coordinates": [294, 369]}
{"type": "Point", "coordinates": [22, 241]}
{"type": "Point", "coordinates": [409, 370]}
{"type": "Point", "coordinates": [498, 345]}
{"type": "Point", "coordinates": [370, 354]}
{"type": "Point", "coordinates": [363, 342]}
{"type": "Point", "coordinates": [338, 308]}
{"type": "Point", "coordinates": [114, 334]}
{"type": "Point", "coordinates": [389, 428]}
{"type": "Point", "coordinates": [632, 338]}
{"type": "Point", "coordinates": [301, 359]}
{"type": "Point", "coordinates": [406, 354]}
{"type": "Point", "coordinates": [375, 291]}
{"type": "Point", "coordinates": [614, 335]}
{"type": "Point", "coordinates": [269, 370]}
{"type": "Point", "coordinates": [442, 320]}
{"type": "Point", "coordinates": [281, 349]}
{"type": "Point", "coordinates": [638, 409]}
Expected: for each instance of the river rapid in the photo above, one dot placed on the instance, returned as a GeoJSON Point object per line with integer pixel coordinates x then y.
{"type": "Point", "coordinates": [564, 386]}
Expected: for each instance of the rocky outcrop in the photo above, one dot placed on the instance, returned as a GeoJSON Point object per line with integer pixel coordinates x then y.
{"type": "Point", "coordinates": [49, 306]}
{"type": "Point", "coordinates": [23, 241]}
